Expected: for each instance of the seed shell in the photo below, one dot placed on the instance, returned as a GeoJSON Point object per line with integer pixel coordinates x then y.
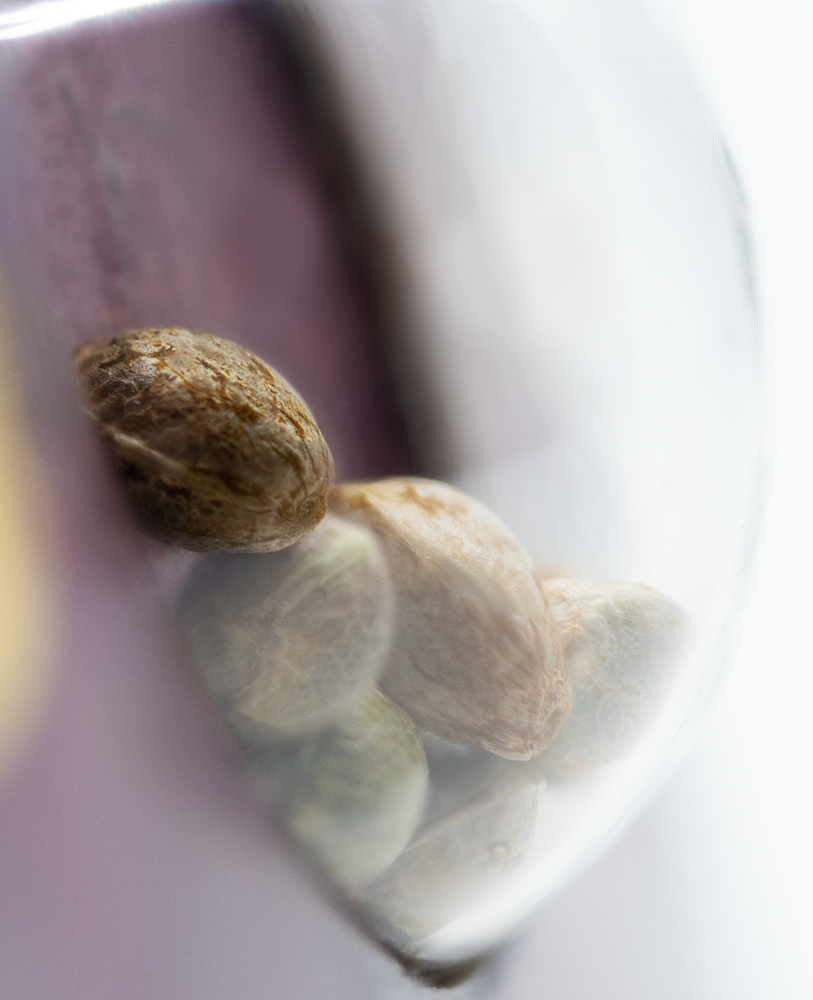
{"type": "Point", "coordinates": [621, 642]}
{"type": "Point", "coordinates": [286, 642]}
{"type": "Point", "coordinates": [216, 450]}
{"type": "Point", "coordinates": [360, 792]}
{"type": "Point", "coordinates": [475, 658]}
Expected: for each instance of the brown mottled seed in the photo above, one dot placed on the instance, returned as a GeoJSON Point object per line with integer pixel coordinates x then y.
{"type": "Point", "coordinates": [475, 658]}
{"type": "Point", "coordinates": [217, 451]}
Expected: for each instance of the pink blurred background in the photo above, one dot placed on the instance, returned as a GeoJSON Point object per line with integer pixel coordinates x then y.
{"type": "Point", "coordinates": [134, 862]}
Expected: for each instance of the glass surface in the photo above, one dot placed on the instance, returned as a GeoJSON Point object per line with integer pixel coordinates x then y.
{"type": "Point", "coordinates": [579, 294]}
{"type": "Point", "coordinates": [496, 242]}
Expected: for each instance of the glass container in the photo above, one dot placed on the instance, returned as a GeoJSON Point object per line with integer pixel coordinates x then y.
{"type": "Point", "coordinates": [498, 243]}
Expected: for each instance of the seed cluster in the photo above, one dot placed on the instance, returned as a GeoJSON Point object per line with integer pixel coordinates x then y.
{"type": "Point", "coordinates": [401, 680]}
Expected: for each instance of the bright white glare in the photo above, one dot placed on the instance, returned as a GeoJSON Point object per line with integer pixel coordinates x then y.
{"type": "Point", "coordinates": [38, 18]}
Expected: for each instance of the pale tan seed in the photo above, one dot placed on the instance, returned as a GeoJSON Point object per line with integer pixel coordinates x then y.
{"type": "Point", "coordinates": [475, 658]}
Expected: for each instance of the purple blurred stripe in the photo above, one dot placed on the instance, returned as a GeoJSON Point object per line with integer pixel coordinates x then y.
{"type": "Point", "coordinates": [152, 172]}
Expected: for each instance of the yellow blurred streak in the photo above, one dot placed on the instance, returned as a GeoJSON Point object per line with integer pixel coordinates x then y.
{"type": "Point", "coordinates": [26, 599]}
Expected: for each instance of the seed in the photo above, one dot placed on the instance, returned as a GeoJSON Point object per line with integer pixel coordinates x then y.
{"type": "Point", "coordinates": [475, 658]}
{"type": "Point", "coordinates": [216, 450]}
{"type": "Point", "coordinates": [360, 792]}
{"type": "Point", "coordinates": [621, 641]}
{"type": "Point", "coordinates": [286, 642]}
{"type": "Point", "coordinates": [454, 864]}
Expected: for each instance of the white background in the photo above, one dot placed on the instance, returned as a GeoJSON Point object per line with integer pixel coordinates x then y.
{"type": "Point", "coordinates": [711, 894]}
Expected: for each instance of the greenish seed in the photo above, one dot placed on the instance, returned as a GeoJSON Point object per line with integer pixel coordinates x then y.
{"type": "Point", "coordinates": [287, 642]}
{"type": "Point", "coordinates": [360, 792]}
